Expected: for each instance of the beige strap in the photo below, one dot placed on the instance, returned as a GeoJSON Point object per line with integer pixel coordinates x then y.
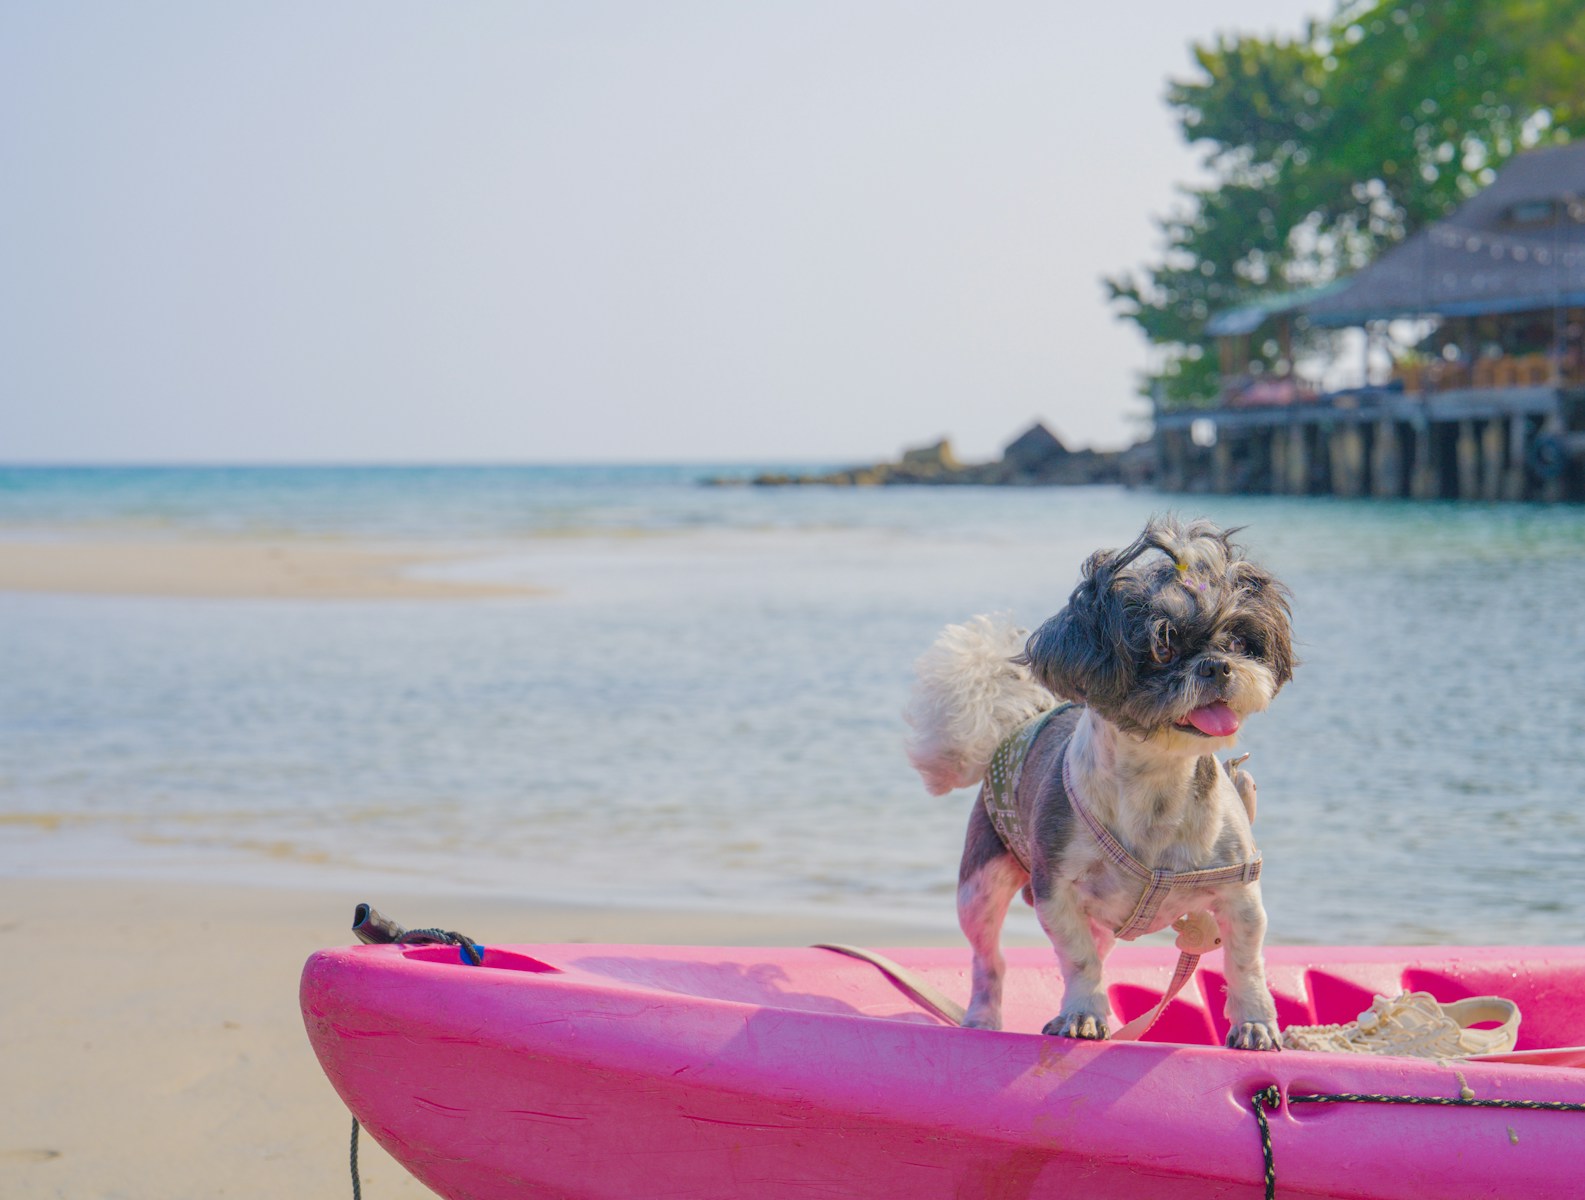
{"type": "Point", "coordinates": [1479, 1009]}
{"type": "Point", "coordinates": [926, 994]}
{"type": "Point", "coordinates": [1140, 1025]}
{"type": "Point", "coordinates": [949, 1010]}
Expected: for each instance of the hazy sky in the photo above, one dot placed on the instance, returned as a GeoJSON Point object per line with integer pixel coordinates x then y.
{"type": "Point", "coordinates": [579, 231]}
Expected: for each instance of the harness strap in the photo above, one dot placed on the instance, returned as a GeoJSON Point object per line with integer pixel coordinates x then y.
{"type": "Point", "coordinates": [1158, 883]}
{"type": "Point", "coordinates": [950, 1011]}
{"type": "Point", "coordinates": [1001, 784]}
{"type": "Point", "coordinates": [1140, 1025]}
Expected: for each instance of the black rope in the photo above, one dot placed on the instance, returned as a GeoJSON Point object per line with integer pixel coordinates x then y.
{"type": "Point", "coordinates": [1259, 1101]}
{"type": "Point", "coordinates": [444, 937]}
{"type": "Point", "coordinates": [357, 1184]}
{"type": "Point", "coordinates": [1451, 1101]}
{"type": "Point", "coordinates": [1271, 1098]}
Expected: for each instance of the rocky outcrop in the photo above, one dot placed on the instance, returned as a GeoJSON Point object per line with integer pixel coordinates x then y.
{"type": "Point", "coordinates": [1034, 458]}
{"type": "Point", "coordinates": [1034, 448]}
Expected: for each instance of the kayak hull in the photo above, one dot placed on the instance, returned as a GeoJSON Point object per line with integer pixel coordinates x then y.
{"type": "Point", "coordinates": [625, 1071]}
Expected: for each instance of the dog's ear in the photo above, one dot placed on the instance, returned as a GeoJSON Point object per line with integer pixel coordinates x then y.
{"type": "Point", "coordinates": [1264, 601]}
{"type": "Point", "coordinates": [1083, 653]}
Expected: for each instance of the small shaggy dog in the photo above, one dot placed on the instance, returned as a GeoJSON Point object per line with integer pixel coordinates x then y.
{"type": "Point", "coordinates": [1112, 812]}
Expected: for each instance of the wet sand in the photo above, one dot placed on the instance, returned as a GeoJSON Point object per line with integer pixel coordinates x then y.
{"type": "Point", "coordinates": [234, 568]}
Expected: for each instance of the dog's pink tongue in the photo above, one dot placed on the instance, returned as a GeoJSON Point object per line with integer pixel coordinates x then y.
{"type": "Point", "coordinates": [1215, 720]}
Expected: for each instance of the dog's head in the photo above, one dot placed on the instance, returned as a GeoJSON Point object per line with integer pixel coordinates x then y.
{"type": "Point", "coordinates": [1177, 649]}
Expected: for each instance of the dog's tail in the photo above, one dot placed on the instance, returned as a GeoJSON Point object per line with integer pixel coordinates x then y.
{"type": "Point", "coordinates": [970, 696]}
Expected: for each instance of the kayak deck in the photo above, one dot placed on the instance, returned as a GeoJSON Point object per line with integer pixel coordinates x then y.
{"type": "Point", "coordinates": [583, 1070]}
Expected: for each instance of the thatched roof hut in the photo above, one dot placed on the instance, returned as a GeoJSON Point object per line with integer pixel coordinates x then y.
{"type": "Point", "coordinates": [1518, 246]}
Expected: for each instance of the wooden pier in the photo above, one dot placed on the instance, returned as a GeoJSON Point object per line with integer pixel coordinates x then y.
{"type": "Point", "coordinates": [1517, 443]}
{"type": "Point", "coordinates": [1481, 317]}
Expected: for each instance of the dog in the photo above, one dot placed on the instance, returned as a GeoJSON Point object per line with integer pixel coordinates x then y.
{"type": "Point", "coordinates": [1164, 648]}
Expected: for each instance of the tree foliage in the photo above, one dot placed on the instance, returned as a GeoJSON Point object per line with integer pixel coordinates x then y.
{"type": "Point", "coordinates": [1327, 147]}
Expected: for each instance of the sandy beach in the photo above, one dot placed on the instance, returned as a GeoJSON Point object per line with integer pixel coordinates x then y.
{"type": "Point", "coordinates": [233, 568]}
{"type": "Point", "coordinates": [154, 1047]}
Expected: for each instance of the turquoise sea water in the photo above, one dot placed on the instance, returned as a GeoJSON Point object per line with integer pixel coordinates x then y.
{"type": "Point", "coordinates": [703, 707]}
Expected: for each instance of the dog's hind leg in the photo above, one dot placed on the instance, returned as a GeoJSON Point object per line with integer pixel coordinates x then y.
{"type": "Point", "coordinates": [988, 880]}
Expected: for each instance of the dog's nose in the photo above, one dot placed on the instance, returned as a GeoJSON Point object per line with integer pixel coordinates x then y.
{"type": "Point", "coordinates": [1215, 668]}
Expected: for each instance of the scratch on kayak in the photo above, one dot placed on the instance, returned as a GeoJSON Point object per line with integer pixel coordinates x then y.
{"type": "Point", "coordinates": [444, 1110]}
{"type": "Point", "coordinates": [347, 1031]}
{"type": "Point", "coordinates": [742, 1124]}
{"type": "Point", "coordinates": [529, 1112]}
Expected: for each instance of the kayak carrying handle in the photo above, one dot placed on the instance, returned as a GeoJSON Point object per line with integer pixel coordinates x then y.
{"type": "Point", "coordinates": [375, 929]}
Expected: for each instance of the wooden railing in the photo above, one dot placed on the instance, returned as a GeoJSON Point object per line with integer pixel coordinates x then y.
{"type": "Point", "coordinates": [1507, 371]}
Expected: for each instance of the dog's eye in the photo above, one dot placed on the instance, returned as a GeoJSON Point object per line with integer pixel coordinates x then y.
{"type": "Point", "coordinates": [1235, 645]}
{"type": "Point", "coordinates": [1163, 647]}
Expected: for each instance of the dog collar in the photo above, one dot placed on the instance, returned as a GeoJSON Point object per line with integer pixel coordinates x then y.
{"type": "Point", "coordinates": [1158, 884]}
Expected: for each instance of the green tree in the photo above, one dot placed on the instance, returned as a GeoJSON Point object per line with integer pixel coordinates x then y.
{"type": "Point", "coordinates": [1329, 146]}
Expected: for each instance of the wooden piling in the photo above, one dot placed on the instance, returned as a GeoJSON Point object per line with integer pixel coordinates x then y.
{"type": "Point", "coordinates": [1493, 456]}
{"type": "Point", "coordinates": [1386, 461]}
{"type": "Point", "coordinates": [1515, 477]}
{"type": "Point", "coordinates": [1347, 459]}
{"type": "Point", "coordinates": [1423, 483]}
{"type": "Point", "coordinates": [1222, 466]}
{"type": "Point", "coordinates": [1468, 451]}
{"type": "Point", "coordinates": [1296, 474]}
{"type": "Point", "coordinates": [1555, 488]}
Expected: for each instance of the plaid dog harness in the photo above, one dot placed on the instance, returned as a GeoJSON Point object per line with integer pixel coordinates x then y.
{"type": "Point", "coordinates": [1158, 884]}
{"type": "Point", "coordinates": [1195, 932]}
{"type": "Point", "coordinates": [1001, 784]}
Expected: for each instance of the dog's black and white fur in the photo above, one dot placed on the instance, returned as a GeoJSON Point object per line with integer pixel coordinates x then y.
{"type": "Point", "coordinates": [1166, 653]}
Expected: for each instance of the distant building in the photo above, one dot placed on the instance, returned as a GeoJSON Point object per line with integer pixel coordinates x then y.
{"type": "Point", "coordinates": [1490, 403]}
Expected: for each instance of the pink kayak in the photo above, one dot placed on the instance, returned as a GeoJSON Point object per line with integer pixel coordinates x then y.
{"type": "Point", "coordinates": [701, 1072]}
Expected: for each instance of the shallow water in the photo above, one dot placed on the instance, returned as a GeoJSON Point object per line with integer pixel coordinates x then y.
{"type": "Point", "coordinates": [705, 707]}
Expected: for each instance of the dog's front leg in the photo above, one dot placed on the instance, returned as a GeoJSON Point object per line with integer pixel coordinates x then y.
{"type": "Point", "coordinates": [1251, 1012]}
{"type": "Point", "coordinates": [1080, 952]}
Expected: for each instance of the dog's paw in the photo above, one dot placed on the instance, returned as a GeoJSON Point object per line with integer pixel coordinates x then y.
{"type": "Point", "coordinates": [1077, 1025]}
{"type": "Point", "coordinates": [1254, 1035]}
{"type": "Point", "coordinates": [983, 1015]}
